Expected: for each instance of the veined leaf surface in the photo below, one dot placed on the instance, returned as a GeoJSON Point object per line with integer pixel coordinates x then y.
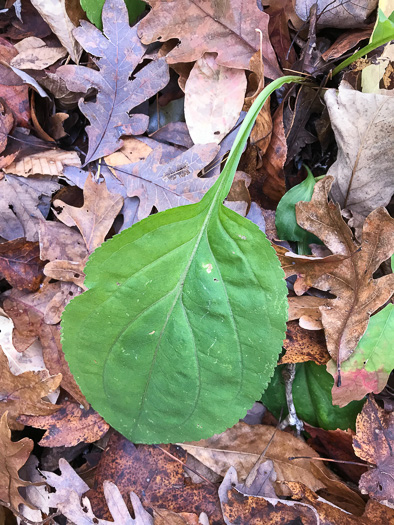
{"type": "Point", "coordinates": [184, 318]}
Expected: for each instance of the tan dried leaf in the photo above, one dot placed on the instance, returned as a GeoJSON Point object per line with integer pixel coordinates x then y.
{"type": "Point", "coordinates": [34, 53]}
{"type": "Point", "coordinates": [13, 455]}
{"type": "Point", "coordinates": [359, 295]}
{"type": "Point", "coordinates": [49, 162]}
{"type": "Point", "coordinates": [96, 216]}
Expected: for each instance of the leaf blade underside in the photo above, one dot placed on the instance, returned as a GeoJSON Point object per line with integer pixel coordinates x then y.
{"type": "Point", "coordinates": [183, 321]}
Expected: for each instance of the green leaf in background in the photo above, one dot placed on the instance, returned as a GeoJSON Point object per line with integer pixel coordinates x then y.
{"type": "Point", "coordinates": [184, 319]}
{"type": "Point", "coordinates": [368, 368]}
{"type": "Point", "coordinates": [93, 9]}
{"type": "Point", "coordinates": [285, 217]}
{"type": "Point", "coordinates": [382, 34]}
{"type": "Point", "coordinates": [312, 398]}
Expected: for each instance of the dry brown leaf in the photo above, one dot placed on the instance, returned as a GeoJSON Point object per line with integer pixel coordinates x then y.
{"type": "Point", "coordinates": [23, 394]}
{"type": "Point", "coordinates": [306, 308]}
{"type": "Point", "coordinates": [13, 455]}
{"type": "Point", "coordinates": [345, 318]}
{"type": "Point", "coordinates": [336, 13]}
{"type": "Point", "coordinates": [364, 130]}
{"type": "Point", "coordinates": [304, 345]}
{"type": "Point", "coordinates": [206, 26]}
{"type": "Point", "coordinates": [28, 313]}
{"type": "Point", "coordinates": [242, 445]}
{"type": "Point", "coordinates": [374, 443]}
{"type": "Point", "coordinates": [50, 162]}
{"type": "Point", "coordinates": [97, 214]}
{"type": "Point", "coordinates": [20, 264]}
{"type": "Point", "coordinates": [132, 150]}
{"type": "Point", "coordinates": [214, 96]}
{"type": "Point", "coordinates": [70, 425]}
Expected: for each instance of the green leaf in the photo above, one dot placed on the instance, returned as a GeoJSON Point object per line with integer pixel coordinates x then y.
{"type": "Point", "coordinates": [184, 318]}
{"type": "Point", "coordinates": [368, 368]}
{"type": "Point", "coordinates": [285, 217]}
{"type": "Point", "coordinates": [383, 33]}
{"type": "Point", "coordinates": [93, 9]}
{"type": "Point", "coordinates": [312, 398]}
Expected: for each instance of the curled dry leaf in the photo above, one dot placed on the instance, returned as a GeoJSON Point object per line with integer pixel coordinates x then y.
{"type": "Point", "coordinates": [206, 26]}
{"type": "Point", "coordinates": [348, 273]}
{"type": "Point", "coordinates": [51, 162]}
{"type": "Point", "coordinates": [20, 264]}
{"type": "Point", "coordinates": [118, 52]}
{"type": "Point", "coordinates": [23, 394]}
{"type": "Point", "coordinates": [214, 97]}
{"type": "Point", "coordinates": [364, 130]}
{"type": "Point", "coordinates": [306, 309]}
{"type": "Point", "coordinates": [374, 443]}
{"type": "Point", "coordinates": [97, 214]}
{"type": "Point", "coordinates": [13, 455]}
{"type": "Point", "coordinates": [70, 425]}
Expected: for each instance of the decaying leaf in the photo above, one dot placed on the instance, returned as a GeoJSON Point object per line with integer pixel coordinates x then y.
{"type": "Point", "coordinates": [374, 443]}
{"type": "Point", "coordinates": [70, 425]}
{"type": "Point", "coordinates": [13, 455]}
{"type": "Point", "coordinates": [345, 318]}
{"type": "Point", "coordinates": [364, 170]}
{"type": "Point", "coordinates": [23, 394]}
{"type": "Point", "coordinates": [214, 96]}
{"type": "Point", "coordinates": [21, 265]}
{"type": "Point", "coordinates": [50, 162]}
{"type": "Point", "coordinates": [241, 446]}
{"type": "Point", "coordinates": [169, 184]}
{"type": "Point", "coordinates": [96, 216]}
{"type": "Point", "coordinates": [304, 345]}
{"type": "Point", "coordinates": [118, 52]}
{"type": "Point", "coordinates": [306, 309]}
{"type": "Point", "coordinates": [226, 29]}
{"type": "Point", "coordinates": [336, 13]}
{"type": "Point", "coordinates": [34, 53]}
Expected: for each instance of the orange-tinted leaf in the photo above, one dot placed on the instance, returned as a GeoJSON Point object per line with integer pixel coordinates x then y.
{"type": "Point", "coordinates": [21, 265]}
{"type": "Point", "coordinates": [304, 345]}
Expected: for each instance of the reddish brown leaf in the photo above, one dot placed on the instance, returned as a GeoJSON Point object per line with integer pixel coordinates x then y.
{"type": "Point", "coordinates": [157, 479]}
{"type": "Point", "coordinates": [70, 425]}
{"type": "Point", "coordinates": [6, 124]}
{"type": "Point", "coordinates": [374, 443]}
{"type": "Point", "coordinates": [346, 41]}
{"type": "Point", "coordinates": [21, 265]}
{"type": "Point", "coordinates": [13, 455]}
{"type": "Point", "coordinates": [345, 318]}
{"type": "Point", "coordinates": [119, 51]}
{"type": "Point", "coordinates": [23, 394]}
{"type": "Point", "coordinates": [207, 26]}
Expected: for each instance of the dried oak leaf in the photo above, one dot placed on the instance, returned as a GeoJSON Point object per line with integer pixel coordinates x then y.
{"type": "Point", "coordinates": [118, 51]}
{"type": "Point", "coordinates": [20, 264]}
{"type": "Point", "coordinates": [374, 443]}
{"type": "Point", "coordinates": [70, 425]}
{"type": "Point", "coordinates": [23, 394]}
{"type": "Point", "coordinates": [348, 273]}
{"type": "Point", "coordinates": [67, 499]}
{"type": "Point", "coordinates": [173, 183]}
{"type": "Point", "coordinates": [97, 214]}
{"type": "Point", "coordinates": [227, 29]}
{"type": "Point", "coordinates": [28, 312]}
{"type": "Point", "coordinates": [13, 455]}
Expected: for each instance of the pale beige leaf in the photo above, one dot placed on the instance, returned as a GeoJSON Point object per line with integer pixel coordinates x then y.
{"type": "Point", "coordinates": [49, 162]}
{"type": "Point", "coordinates": [34, 53]}
{"type": "Point", "coordinates": [214, 96]}
{"type": "Point", "coordinates": [55, 15]}
{"type": "Point", "coordinates": [337, 13]}
{"type": "Point", "coordinates": [363, 124]}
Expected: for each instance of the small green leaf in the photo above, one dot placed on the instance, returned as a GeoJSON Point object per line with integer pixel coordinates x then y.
{"type": "Point", "coordinates": [184, 318]}
{"type": "Point", "coordinates": [285, 217]}
{"type": "Point", "coordinates": [93, 9]}
{"type": "Point", "coordinates": [312, 398]}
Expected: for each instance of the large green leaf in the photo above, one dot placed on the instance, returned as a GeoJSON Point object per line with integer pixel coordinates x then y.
{"type": "Point", "coordinates": [94, 9]}
{"type": "Point", "coordinates": [184, 318]}
{"type": "Point", "coordinates": [312, 398]}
